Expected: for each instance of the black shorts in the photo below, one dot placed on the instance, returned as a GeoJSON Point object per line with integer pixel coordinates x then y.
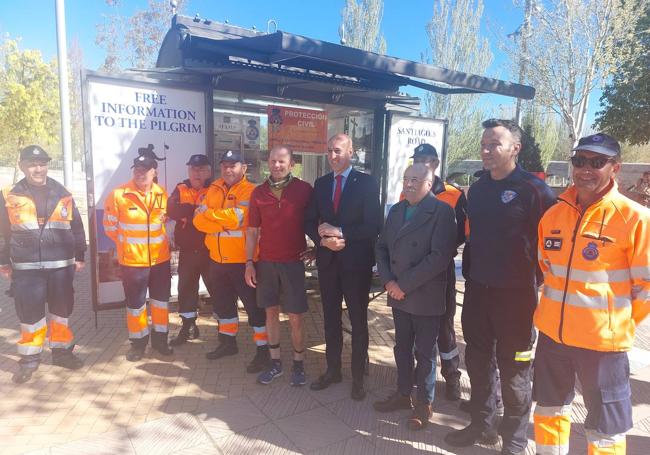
{"type": "Point", "coordinates": [282, 283]}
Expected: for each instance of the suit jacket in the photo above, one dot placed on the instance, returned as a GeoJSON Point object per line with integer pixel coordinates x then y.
{"type": "Point", "coordinates": [417, 253]}
{"type": "Point", "coordinates": [359, 216]}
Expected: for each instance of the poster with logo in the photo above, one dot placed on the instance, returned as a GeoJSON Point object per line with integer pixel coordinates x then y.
{"type": "Point", "coordinates": [303, 130]}
{"type": "Point", "coordinates": [236, 132]}
{"type": "Point", "coordinates": [405, 134]}
{"type": "Point", "coordinates": [124, 118]}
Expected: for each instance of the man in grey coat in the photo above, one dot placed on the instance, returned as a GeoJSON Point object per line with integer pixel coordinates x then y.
{"type": "Point", "coordinates": [413, 254]}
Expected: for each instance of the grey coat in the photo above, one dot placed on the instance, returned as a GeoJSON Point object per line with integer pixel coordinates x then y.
{"type": "Point", "coordinates": [417, 254]}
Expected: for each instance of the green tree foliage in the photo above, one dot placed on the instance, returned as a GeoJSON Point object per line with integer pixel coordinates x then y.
{"type": "Point", "coordinates": [545, 128]}
{"type": "Point", "coordinates": [133, 41]}
{"type": "Point", "coordinates": [455, 43]}
{"type": "Point", "coordinates": [626, 99]}
{"type": "Point", "coordinates": [361, 25]}
{"type": "Point", "coordinates": [29, 100]}
{"type": "Point", "coordinates": [530, 154]}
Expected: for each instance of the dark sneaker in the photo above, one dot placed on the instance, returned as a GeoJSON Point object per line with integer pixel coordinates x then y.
{"type": "Point", "coordinates": [394, 402]}
{"type": "Point", "coordinates": [269, 375]}
{"type": "Point", "coordinates": [298, 377]}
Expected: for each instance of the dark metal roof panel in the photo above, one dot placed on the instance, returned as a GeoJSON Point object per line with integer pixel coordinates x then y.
{"type": "Point", "coordinates": [202, 37]}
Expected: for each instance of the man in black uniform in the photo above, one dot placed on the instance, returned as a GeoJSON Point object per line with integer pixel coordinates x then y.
{"type": "Point", "coordinates": [504, 208]}
{"type": "Point", "coordinates": [194, 259]}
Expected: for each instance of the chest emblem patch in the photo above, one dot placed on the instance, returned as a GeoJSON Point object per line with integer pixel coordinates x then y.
{"type": "Point", "coordinates": [507, 196]}
{"type": "Point", "coordinates": [552, 243]}
{"type": "Point", "coordinates": [590, 252]}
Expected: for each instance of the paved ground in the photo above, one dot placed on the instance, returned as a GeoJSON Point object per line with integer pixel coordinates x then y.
{"type": "Point", "coordinates": [187, 405]}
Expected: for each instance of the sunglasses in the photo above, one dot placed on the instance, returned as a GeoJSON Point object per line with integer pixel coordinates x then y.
{"type": "Point", "coordinates": [596, 162]}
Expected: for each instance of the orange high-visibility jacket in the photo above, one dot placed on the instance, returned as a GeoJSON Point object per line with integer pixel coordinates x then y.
{"type": "Point", "coordinates": [596, 269]}
{"type": "Point", "coordinates": [30, 243]}
{"type": "Point", "coordinates": [223, 216]}
{"type": "Point", "coordinates": [136, 223]}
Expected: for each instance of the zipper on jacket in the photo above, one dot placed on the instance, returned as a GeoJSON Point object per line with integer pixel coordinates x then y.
{"type": "Point", "coordinates": [568, 269]}
{"type": "Point", "coordinates": [223, 202]}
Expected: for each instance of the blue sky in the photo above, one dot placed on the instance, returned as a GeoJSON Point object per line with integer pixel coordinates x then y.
{"type": "Point", "coordinates": [403, 24]}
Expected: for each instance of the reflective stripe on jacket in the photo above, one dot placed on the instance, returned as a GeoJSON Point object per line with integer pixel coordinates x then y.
{"type": "Point", "coordinates": [596, 269]}
{"type": "Point", "coordinates": [56, 242]}
{"type": "Point", "coordinates": [223, 216]}
{"type": "Point", "coordinates": [136, 223]}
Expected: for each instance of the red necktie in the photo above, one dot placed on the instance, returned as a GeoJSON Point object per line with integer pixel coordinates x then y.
{"type": "Point", "coordinates": [337, 192]}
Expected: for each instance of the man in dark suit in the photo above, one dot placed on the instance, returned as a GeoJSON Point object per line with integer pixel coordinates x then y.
{"type": "Point", "coordinates": [343, 219]}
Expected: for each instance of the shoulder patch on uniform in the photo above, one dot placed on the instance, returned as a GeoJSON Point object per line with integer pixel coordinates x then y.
{"type": "Point", "coordinates": [552, 243]}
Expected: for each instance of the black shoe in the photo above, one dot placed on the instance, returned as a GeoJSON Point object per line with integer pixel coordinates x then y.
{"type": "Point", "coordinates": [66, 359]}
{"type": "Point", "coordinates": [261, 361]}
{"type": "Point", "coordinates": [358, 391]}
{"type": "Point", "coordinates": [394, 402]}
{"type": "Point", "coordinates": [135, 353]}
{"type": "Point", "coordinates": [184, 332]}
{"type": "Point", "coordinates": [470, 435]}
{"type": "Point", "coordinates": [24, 373]}
{"type": "Point", "coordinates": [159, 343]}
{"type": "Point", "coordinates": [420, 416]}
{"type": "Point", "coordinates": [227, 346]}
{"type": "Point", "coordinates": [452, 389]}
{"type": "Point", "coordinates": [194, 330]}
{"type": "Point", "coordinates": [326, 380]}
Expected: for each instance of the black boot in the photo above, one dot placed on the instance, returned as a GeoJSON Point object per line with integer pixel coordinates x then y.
{"type": "Point", "coordinates": [261, 361]}
{"type": "Point", "coordinates": [227, 346]}
{"type": "Point", "coordinates": [26, 367]}
{"type": "Point", "coordinates": [63, 357]}
{"type": "Point", "coordinates": [159, 343]}
{"type": "Point", "coordinates": [184, 333]}
{"type": "Point", "coordinates": [136, 351]}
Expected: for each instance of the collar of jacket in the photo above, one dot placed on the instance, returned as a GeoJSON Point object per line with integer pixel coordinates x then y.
{"type": "Point", "coordinates": [438, 185]}
{"type": "Point", "coordinates": [221, 184]}
{"type": "Point", "coordinates": [426, 205]}
{"type": "Point", "coordinates": [131, 188]}
{"type": "Point", "coordinates": [22, 188]}
{"type": "Point", "coordinates": [570, 196]}
{"type": "Point", "coordinates": [188, 184]}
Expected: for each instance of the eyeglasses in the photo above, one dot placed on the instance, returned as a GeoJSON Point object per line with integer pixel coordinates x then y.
{"type": "Point", "coordinates": [596, 162]}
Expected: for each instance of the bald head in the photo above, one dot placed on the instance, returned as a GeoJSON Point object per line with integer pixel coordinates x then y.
{"type": "Point", "coordinates": [339, 152]}
{"type": "Point", "coordinates": [418, 181]}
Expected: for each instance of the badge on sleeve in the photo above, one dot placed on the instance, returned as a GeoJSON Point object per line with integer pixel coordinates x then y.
{"type": "Point", "coordinates": [507, 196]}
{"type": "Point", "coordinates": [64, 212]}
{"type": "Point", "coordinates": [590, 252]}
{"type": "Point", "coordinates": [552, 243]}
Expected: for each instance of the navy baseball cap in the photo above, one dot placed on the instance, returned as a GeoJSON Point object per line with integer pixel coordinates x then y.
{"type": "Point", "coordinates": [599, 143]}
{"type": "Point", "coordinates": [231, 156]}
{"type": "Point", "coordinates": [198, 160]}
{"type": "Point", "coordinates": [34, 153]}
{"type": "Point", "coordinates": [145, 162]}
{"type": "Point", "coordinates": [425, 150]}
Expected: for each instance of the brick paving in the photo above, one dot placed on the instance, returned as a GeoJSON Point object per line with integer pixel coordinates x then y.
{"type": "Point", "coordinates": [188, 405]}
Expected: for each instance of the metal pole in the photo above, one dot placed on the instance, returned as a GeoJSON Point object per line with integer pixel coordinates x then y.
{"type": "Point", "coordinates": [64, 97]}
{"type": "Point", "coordinates": [523, 58]}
